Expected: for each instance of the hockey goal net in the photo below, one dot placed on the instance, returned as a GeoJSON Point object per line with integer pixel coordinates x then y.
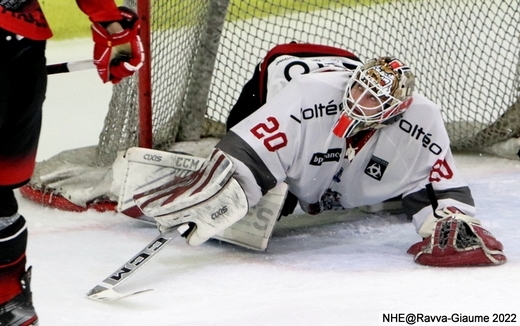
{"type": "Point", "coordinates": [465, 54]}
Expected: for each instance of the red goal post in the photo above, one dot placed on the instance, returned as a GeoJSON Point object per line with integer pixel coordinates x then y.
{"type": "Point", "coordinates": [465, 54]}
{"type": "Point", "coordinates": [145, 78]}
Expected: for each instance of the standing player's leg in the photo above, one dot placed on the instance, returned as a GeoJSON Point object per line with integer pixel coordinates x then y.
{"type": "Point", "coordinates": [15, 297]}
{"type": "Point", "coordinates": [23, 82]}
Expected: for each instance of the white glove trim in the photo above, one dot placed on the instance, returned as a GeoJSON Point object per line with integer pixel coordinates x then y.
{"type": "Point", "coordinates": [428, 226]}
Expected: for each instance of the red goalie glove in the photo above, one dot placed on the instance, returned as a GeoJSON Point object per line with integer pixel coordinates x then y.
{"type": "Point", "coordinates": [118, 55]}
{"type": "Point", "coordinates": [458, 240]}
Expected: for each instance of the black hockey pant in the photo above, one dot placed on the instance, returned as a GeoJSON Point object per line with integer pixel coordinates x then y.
{"type": "Point", "coordinates": [23, 83]}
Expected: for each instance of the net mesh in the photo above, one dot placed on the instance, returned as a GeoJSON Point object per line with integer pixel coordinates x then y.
{"type": "Point", "coordinates": [465, 55]}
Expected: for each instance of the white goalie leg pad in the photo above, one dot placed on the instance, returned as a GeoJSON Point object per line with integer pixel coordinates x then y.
{"type": "Point", "coordinates": [210, 216]}
{"type": "Point", "coordinates": [177, 193]}
{"type": "Point", "coordinates": [141, 169]}
{"type": "Point", "coordinates": [255, 229]}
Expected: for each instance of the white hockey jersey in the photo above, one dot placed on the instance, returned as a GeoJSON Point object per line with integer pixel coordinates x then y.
{"type": "Point", "coordinates": [289, 139]}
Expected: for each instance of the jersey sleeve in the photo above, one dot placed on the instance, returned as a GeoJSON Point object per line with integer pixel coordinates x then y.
{"type": "Point", "coordinates": [100, 10]}
{"type": "Point", "coordinates": [439, 170]}
{"type": "Point", "coordinates": [267, 142]}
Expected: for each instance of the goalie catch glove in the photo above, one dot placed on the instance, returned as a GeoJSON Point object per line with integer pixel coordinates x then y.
{"type": "Point", "coordinates": [120, 54]}
{"type": "Point", "coordinates": [209, 200]}
{"type": "Point", "coordinates": [456, 240]}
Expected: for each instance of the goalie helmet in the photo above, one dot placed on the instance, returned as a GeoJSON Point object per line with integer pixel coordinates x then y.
{"type": "Point", "coordinates": [378, 94]}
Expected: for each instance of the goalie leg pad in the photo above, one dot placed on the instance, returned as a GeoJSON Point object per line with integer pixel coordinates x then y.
{"type": "Point", "coordinates": [181, 192]}
{"type": "Point", "coordinates": [210, 216]}
{"type": "Point", "coordinates": [457, 243]}
{"type": "Point", "coordinates": [138, 170]}
{"type": "Point", "coordinates": [255, 229]}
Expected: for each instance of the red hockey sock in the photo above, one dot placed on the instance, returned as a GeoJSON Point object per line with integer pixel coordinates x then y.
{"type": "Point", "coordinates": [10, 276]}
{"type": "Point", "coordinates": [13, 242]}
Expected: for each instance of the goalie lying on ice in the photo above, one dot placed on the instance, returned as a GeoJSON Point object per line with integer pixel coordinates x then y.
{"type": "Point", "coordinates": [357, 131]}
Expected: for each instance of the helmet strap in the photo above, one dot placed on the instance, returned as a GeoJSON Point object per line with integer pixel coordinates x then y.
{"type": "Point", "coordinates": [345, 126]}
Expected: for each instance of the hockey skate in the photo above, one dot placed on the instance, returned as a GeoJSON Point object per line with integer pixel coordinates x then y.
{"type": "Point", "coordinates": [20, 311]}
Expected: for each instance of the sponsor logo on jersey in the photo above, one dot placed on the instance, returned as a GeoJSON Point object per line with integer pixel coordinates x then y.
{"type": "Point", "coordinates": [376, 168]}
{"type": "Point", "coordinates": [417, 132]}
{"type": "Point", "coordinates": [304, 66]}
{"type": "Point", "coordinates": [332, 155]}
{"type": "Point", "coordinates": [320, 110]}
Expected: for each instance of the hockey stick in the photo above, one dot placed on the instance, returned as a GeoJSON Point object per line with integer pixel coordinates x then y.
{"type": "Point", "coordinates": [104, 291]}
{"type": "Point", "coordinates": [59, 68]}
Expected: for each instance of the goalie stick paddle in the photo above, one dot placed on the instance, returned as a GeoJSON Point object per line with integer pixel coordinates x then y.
{"type": "Point", "coordinates": [104, 291]}
{"type": "Point", "coordinates": [64, 67]}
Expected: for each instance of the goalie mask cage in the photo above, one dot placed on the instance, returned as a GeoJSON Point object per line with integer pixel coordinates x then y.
{"type": "Point", "coordinates": [465, 54]}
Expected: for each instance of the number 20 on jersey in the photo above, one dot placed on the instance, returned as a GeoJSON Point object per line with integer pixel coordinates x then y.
{"type": "Point", "coordinates": [269, 134]}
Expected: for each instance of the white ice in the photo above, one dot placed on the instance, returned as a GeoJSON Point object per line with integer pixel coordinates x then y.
{"type": "Point", "coordinates": [336, 269]}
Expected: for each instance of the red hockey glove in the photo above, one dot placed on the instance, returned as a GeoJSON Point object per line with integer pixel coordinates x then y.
{"type": "Point", "coordinates": [458, 240]}
{"type": "Point", "coordinates": [118, 55]}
